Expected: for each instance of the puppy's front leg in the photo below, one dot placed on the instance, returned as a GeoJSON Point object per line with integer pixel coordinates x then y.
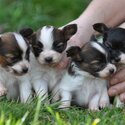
{"type": "Point", "coordinates": [104, 99]}
{"type": "Point", "coordinates": [41, 88]}
{"type": "Point", "coordinates": [25, 89]}
{"type": "Point", "coordinates": [66, 97]}
{"type": "Point", "coordinates": [94, 103]}
{"type": "Point", "coordinates": [3, 89]}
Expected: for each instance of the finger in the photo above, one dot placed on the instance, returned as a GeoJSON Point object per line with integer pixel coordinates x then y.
{"type": "Point", "coordinates": [116, 89]}
{"type": "Point", "coordinates": [118, 77]}
{"type": "Point", "coordinates": [122, 97]}
{"type": "Point", "coordinates": [63, 64]}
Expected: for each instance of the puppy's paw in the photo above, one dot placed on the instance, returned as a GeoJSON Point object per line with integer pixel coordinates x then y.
{"type": "Point", "coordinates": [104, 104]}
{"type": "Point", "coordinates": [3, 91]}
{"type": "Point", "coordinates": [64, 106]}
{"type": "Point", "coordinates": [94, 108]}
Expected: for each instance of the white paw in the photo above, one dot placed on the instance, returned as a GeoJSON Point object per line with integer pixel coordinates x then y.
{"type": "Point", "coordinates": [94, 108]}
{"type": "Point", "coordinates": [104, 104]}
{"type": "Point", "coordinates": [3, 91]}
{"type": "Point", "coordinates": [64, 106]}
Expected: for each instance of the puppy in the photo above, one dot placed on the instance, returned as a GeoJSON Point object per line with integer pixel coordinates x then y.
{"type": "Point", "coordinates": [84, 83]}
{"type": "Point", "coordinates": [14, 65]}
{"type": "Point", "coordinates": [114, 40]}
{"type": "Point", "coordinates": [48, 45]}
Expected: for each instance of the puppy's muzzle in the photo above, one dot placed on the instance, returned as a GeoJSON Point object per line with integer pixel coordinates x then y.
{"type": "Point", "coordinates": [112, 71]}
{"type": "Point", "coordinates": [48, 60]}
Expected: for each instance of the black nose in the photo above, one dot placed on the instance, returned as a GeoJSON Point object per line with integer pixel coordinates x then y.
{"type": "Point", "coordinates": [48, 59]}
{"type": "Point", "coordinates": [111, 71]}
{"type": "Point", "coordinates": [25, 70]}
{"type": "Point", "coordinates": [117, 59]}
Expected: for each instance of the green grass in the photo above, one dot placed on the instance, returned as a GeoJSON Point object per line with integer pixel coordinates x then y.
{"type": "Point", "coordinates": [16, 14]}
{"type": "Point", "coordinates": [37, 113]}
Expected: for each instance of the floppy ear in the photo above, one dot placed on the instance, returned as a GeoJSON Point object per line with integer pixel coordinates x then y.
{"type": "Point", "coordinates": [26, 32]}
{"type": "Point", "coordinates": [69, 31]}
{"type": "Point", "coordinates": [74, 53]}
{"type": "Point", "coordinates": [100, 27]}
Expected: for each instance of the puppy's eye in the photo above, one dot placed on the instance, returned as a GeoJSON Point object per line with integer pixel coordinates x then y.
{"type": "Point", "coordinates": [11, 58]}
{"type": "Point", "coordinates": [38, 47]}
{"type": "Point", "coordinates": [9, 55]}
{"type": "Point", "coordinates": [59, 45]}
{"type": "Point", "coordinates": [94, 62]}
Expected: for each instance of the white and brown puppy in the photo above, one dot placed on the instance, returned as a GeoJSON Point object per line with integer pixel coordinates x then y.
{"type": "Point", "coordinates": [14, 65]}
{"type": "Point", "coordinates": [48, 45]}
{"type": "Point", "coordinates": [84, 83]}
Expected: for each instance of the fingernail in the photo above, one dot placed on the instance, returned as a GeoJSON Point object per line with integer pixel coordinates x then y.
{"type": "Point", "coordinates": [113, 81]}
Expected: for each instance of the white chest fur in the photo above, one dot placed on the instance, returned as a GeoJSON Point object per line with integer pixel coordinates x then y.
{"type": "Point", "coordinates": [43, 77]}
{"type": "Point", "coordinates": [84, 89]}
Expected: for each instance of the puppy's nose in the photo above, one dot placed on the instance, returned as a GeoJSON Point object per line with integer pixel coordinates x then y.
{"type": "Point", "coordinates": [48, 59]}
{"type": "Point", "coordinates": [117, 59]}
{"type": "Point", "coordinates": [25, 70]}
{"type": "Point", "coordinates": [111, 71]}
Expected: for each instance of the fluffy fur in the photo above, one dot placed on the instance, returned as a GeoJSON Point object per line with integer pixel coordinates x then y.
{"type": "Point", "coordinates": [83, 84]}
{"type": "Point", "coordinates": [48, 44]}
{"type": "Point", "coordinates": [14, 65]}
{"type": "Point", "coordinates": [114, 40]}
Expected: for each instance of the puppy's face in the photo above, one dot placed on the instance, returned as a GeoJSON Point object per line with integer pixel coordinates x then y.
{"type": "Point", "coordinates": [48, 43]}
{"type": "Point", "coordinates": [92, 58]}
{"type": "Point", "coordinates": [14, 53]}
{"type": "Point", "coordinates": [114, 40]}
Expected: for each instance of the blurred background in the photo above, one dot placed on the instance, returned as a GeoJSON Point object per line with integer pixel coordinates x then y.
{"type": "Point", "coordinates": [17, 14]}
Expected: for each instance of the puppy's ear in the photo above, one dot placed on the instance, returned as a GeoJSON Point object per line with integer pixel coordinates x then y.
{"type": "Point", "coordinates": [26, 32]}
{"type": "Point", "coordinates": [100, 27]}
{"type": "Point", "coordinates": [69, 31]}
{"type": "Point", "coordinates": [74, 53]}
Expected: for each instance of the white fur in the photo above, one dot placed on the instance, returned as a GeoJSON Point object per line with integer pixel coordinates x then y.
{"type": "Point", "coordinates": [122, 58]}
{"type": "Point", "coordinates": [98, 47]}
{"type": "Point", "coordinates": [89, 91]}
{"type": "Point", "coordinates": [106, 71]}
{"type": "Point", "coordinates": [21, 42]}
{"type": "Point", "coordinates": [44, 78]}
{"type": "Point", "coordinates": [46, 37]}
{"type": "Point", "coordinates": [17, 86]}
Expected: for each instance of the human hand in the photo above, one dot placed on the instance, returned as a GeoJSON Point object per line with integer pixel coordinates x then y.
{"type": "Point", "coordinates": [117, 85]}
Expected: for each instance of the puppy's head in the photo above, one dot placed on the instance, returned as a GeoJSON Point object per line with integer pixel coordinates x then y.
{"type": "Point", "coordinates": [48, 43]}
{"type": "Point", "coordinates": [114, 40]}
{"type": "Point", "coordinates": [92, 58]}
{"type": "Point", "coordinates": [14, 53]}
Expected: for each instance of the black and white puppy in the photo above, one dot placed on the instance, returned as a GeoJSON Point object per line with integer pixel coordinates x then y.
{"type": "Point", "coordinates": [114, 40]}
{"type": "Point", "coordinates": [84, 83]}
{"type": "Point", "coordinates": [48, 45]}
{"type": "Point", "coordinates": [14, 65]}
